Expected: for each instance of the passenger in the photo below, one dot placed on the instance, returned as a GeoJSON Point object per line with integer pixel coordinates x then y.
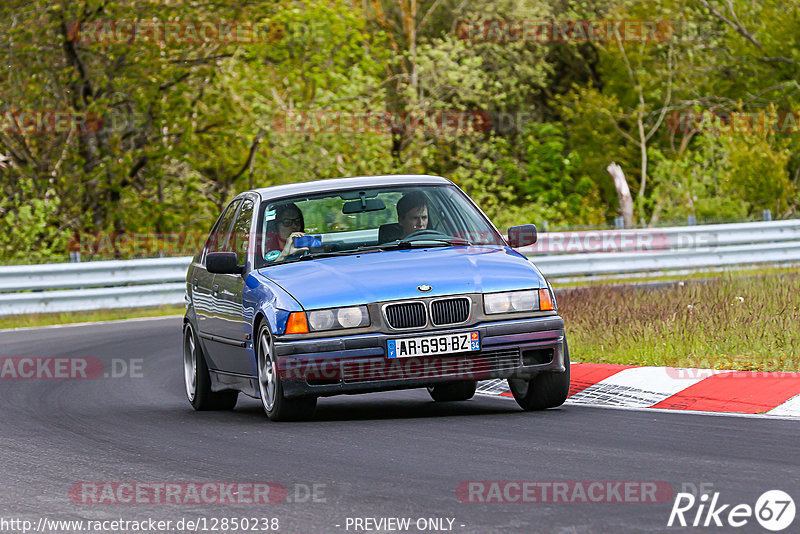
{"type": "Point", "coordinates": [287, 225]}
{"type": "Point", "coordinates": [412, 213]}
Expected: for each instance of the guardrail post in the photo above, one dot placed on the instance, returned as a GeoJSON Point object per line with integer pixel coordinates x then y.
{"type": "Point", "coordinates": [767, 215]}
{"type": "Point", "coordinates": [74, 257]}
{"type": "Point", "coordinates": [690, 220]}
{"type": "Point", "coordinates": [619, 223]}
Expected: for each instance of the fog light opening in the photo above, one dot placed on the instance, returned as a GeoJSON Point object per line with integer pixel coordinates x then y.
{"type": "Point", "coordinates": [537, 356]}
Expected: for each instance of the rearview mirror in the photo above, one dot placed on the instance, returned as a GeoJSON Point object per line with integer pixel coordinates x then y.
{"type": "Point", "coordinates": [360, 206]}
{"type": "Point", "coordinates": [353, 195]}
{"type": "Point", "coordinates": [522, 235]}
{"type": "Point", "coordinates": [223, 263]}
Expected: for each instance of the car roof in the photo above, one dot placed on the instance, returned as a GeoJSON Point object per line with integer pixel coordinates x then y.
{"type": "Point", "coordinates": [340, 184]}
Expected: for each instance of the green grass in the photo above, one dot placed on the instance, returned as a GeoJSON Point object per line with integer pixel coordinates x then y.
{"type": "Point", "coordinates": [702, 274]}
{"type": "Point", "coordinates": [44, 319]}
{"type": "Point", "coordinates": [732, 322]}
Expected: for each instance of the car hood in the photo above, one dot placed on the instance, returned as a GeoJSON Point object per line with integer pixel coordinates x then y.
{"type": "Point", "coordinates": [395, 274]}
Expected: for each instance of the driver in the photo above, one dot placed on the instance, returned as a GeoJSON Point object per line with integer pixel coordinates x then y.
{"type": "Point", "coordinates": [412, 213]}
{"type": "Point", "coordinates": [288, 224]}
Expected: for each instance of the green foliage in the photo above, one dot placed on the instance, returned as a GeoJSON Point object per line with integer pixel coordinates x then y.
{"type": "Point", "coordinates": [697, 184]}
{"type": "Point", "coordinates": [29, 234]}
{"type": "Point", "coordinates": [553, 178]}
{"type": "Point", "coordinates": [186, 125]}
{"type": "Point", "coordinates": [727, 177]}
{"type": "Point", "coordinates": [594, 138]}
{"type": "Point", "coordinates": [758, 173]}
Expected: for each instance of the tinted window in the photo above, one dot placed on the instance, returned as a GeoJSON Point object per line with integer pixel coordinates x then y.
{"type": "Point", "coordinates": [219, 236]}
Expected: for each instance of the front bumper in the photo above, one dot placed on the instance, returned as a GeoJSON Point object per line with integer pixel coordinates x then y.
{"type": "Point", "coordinates": [518, 348]}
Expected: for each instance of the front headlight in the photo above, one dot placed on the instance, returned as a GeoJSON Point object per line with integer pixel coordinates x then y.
{"type": "Point", "coordinates": [321, 319]}
{"type": "Point", "coordinates": [336, 318]}
{"type": "Point", "coordinates": [518, 301]}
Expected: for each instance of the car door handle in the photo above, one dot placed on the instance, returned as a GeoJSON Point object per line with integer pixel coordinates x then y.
{"type": "Point", "coordinates": [195, 284]}
{"type": "Point", "coordinates": [216, 289]}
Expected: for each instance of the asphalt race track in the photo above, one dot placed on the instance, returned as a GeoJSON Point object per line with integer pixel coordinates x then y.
{"type": "Point", "coordinates": [395, 455]}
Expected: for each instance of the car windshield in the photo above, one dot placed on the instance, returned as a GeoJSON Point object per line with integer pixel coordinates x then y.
{"type": "Point", "coordinates": [365, 220]}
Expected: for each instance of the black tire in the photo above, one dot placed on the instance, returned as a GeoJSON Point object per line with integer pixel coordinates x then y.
{"type": "Point", "coordinates": [453, 391]}
{"type": "Point", "coordinates": [270, 386]}
{"type": "Point", "coordinates": [545, 390]}
{"type": "Point", "coordinates": [197, 380]}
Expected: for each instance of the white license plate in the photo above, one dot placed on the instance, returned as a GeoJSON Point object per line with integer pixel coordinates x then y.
{"type": "Point", "coordinates": [409, 347]}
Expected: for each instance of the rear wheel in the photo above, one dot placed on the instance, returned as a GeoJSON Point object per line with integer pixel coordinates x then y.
{"type": "Point", "coordinates": [545, 390]}
{"type": "Point", "coordinates": [270, 386]}
{"type": "Point", "coordinates": [453, 391]}
{"type": "Point", "coordinates": [197, 379]}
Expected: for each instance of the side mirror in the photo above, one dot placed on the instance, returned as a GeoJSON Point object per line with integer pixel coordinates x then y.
{"type": "Point", "coordinates": [223, 263]}
{"type": "Point", "coordinates": [522, 235]}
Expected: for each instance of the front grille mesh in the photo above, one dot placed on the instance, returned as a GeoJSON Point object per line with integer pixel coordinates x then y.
{"type": "Point", "coordinates": [480, 366]}
{"type": "Point", "coordinates": [406, 315]}
{"type": "Point", "coordinates": [450, 311]}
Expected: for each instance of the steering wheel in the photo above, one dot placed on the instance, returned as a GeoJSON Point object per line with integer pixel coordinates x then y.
{"type": "Point", "coordinates": [426, 233]}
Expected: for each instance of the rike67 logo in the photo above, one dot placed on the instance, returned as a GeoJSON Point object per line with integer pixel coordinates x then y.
{"type": "Point", "coordinates": [774, 510]}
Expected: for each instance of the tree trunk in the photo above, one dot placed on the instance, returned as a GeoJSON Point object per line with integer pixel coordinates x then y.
{"type": "Point", "coordinates": [643, 151]}
{"type": "Point", "coordinates": [623, 192]}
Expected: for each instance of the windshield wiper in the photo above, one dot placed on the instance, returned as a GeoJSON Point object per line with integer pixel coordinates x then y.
{"type": "Point", "coordinates": [452, 241]}
{"type": "Point", "coordinates": [421, 243]}
{"type": "Point", "coordinates": [394, 245]}
{"type": "Point", "coordinates": [331, 254]}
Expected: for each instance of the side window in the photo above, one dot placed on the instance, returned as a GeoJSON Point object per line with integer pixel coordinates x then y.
{"type": "Point", "coordinates": [219, 236]}
{"type": "Point", "coordinates": [240, 236]}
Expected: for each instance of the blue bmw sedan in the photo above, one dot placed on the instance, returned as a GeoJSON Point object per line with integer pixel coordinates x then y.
{"type": "Point", "coordinates": [366, 284]}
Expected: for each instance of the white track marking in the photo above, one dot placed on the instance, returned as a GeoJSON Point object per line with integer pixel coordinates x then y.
{"type": "Point", "coordinates": [637, 386]}
{"type": "Point", "coordinates": [768, 415]}
{"type": "Point", "coordinates": [790, 408]}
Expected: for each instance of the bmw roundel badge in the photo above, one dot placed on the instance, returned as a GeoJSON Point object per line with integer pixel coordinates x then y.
{"type": "Point", "coordinates": [424, 288]}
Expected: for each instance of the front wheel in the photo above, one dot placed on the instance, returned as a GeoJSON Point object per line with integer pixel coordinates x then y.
{"type": "Point", "coordinates": [545, 390]}
{"type": "Point", "coordinates": [197, 380]}
{"type": "Point", "coordinates": [270, 386]}
{"type": "Point", "coordinates": [453, 391]}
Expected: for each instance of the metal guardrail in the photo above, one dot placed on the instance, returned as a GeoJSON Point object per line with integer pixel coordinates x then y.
{"type": "Point", "coordinates": [153, 282]}
{"type": "Point", "coordinates": [93, 274]}
{"type": "Point", "coordinates": [565, 265]}
{"type": "Point", "coordinates": [701, 238]}
{"type": "Point", "coordinates": [104, 298]}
